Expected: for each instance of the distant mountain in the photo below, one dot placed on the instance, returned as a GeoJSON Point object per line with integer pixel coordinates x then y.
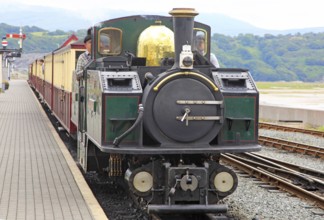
{"type": "Point", "coordinates": [6, 28]}
{"type": "Point", "coordinates": [223, 24]}
{"type": "Point", "coordinates": [294, 31]}
{"type": "Point", "coordinates": [53, 19]}
{"type": "Point", "coordinates": [37, 39]}
{"type": "Point", "coordinates": [44, 17]}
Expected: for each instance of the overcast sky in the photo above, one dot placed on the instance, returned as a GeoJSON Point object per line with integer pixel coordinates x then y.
{"type": "Point", "coordinates": [267, 14]}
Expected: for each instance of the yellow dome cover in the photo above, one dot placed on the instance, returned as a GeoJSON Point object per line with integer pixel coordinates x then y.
{"type": "Point", "coordinates": [155, 43]}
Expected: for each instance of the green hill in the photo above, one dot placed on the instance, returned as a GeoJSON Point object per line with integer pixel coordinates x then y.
{"type": "Point", "coordinates": [273, 58]}
{"type": "Point", "coordinates": [38, 40]}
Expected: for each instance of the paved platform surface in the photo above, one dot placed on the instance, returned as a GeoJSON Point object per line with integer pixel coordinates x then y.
{"type": "Point", "coordinates": [37, 178]}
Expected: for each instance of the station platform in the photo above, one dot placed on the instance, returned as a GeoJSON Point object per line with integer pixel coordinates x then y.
{"type": "Point", "coordinates": [38, 177]}
{"type": "Point", "coordinates": [306, 106]}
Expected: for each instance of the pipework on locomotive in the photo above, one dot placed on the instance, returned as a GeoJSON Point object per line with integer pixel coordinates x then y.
{"type": "Point", "coordinates": [153, 111]}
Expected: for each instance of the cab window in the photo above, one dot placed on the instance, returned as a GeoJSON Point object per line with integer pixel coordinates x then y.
{"type": "Point", "coordinates": [109, 42]}
{"type": "Point", "coordinates": [200, 41]}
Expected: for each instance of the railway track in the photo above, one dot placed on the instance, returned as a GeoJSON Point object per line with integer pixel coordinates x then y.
{"type": "Point", "coordinates": [207, 216]}
{"type": "Point", "coordinates": [306, 181]}
{"type": "Point", "coordinates": [308, 187]}
{"type": "Point", "coordinates": [263, 125]}
{"type": "Point", "coordinates": [292, 146]}
{"type": "Point", "coordinates": [301, 169]}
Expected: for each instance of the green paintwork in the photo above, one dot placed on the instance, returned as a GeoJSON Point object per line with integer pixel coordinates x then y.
{"type": "Point", "coordinates": [133, 26]}
{"type": "Point", "coordinates": [238, 109]}
{"type": "Point", "coordinates": [121, 112]}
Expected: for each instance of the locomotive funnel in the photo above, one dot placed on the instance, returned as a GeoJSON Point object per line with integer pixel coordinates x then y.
{"type": "Point", "coordinates": [183, 24]}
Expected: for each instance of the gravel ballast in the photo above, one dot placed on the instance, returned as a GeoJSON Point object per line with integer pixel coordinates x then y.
{"type": "Point", "coordinates": [250, 201]}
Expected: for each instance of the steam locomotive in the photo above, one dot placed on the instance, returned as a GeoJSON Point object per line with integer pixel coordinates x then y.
{"type": "Point", "coordinates": [151, 109]}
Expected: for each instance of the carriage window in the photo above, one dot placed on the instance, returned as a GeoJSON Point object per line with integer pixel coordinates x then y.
{"type": "Point", "coordinates": [200, 41]}
{"type": "Point", "coordinates": [109, 42]}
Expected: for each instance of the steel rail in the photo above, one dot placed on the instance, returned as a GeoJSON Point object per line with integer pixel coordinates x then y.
{"type": "Point", "coordinates": [308, 182]}
{"type": "Point", "coordinates": [301, 169]}
{"type": "Point", "coordinates": [292, 146]}
{"type": "Point", "coordinates": [274, 180]}
{"type": "Point", "coordinates": [263, 125]}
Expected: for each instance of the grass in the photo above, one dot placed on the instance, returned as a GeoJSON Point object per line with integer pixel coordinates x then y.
{"type": "Point", "coordinates": [289, 85]}
{"type": "Point", "coordinates": [43, 34]}
{"type": "Point", "coordinates": [320, 128]}
{"type": "Point", "coordinates": [38, 34]}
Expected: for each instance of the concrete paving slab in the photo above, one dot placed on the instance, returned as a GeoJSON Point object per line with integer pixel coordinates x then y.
{"type": "Point", "coordinates": [38, 177]}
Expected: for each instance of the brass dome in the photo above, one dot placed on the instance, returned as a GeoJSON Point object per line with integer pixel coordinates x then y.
{"type": "Point", "coordinates": [155, 43]}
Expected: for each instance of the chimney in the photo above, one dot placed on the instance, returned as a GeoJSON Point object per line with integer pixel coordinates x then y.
{"type": "Point", "coordinates": [183, 24]}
